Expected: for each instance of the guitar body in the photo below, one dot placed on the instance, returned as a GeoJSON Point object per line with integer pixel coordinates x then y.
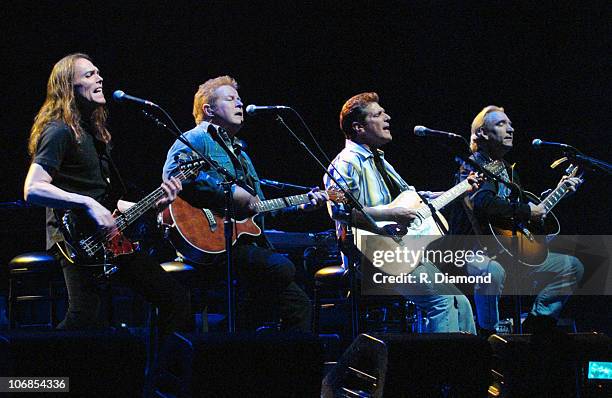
{"type": "Point", "coordinates": [531, 247]}
{"type": "Point", "coordinates": [197, 234]}
{"type": "Point", "coordinates": [420, 226]}
{"type": "Point", "coordinates": [420, 233]}
{"type": "Point", "coordinates": [77, 227]}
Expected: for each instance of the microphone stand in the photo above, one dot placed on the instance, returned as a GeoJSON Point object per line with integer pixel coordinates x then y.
{"type": "Point", "coordinates": [228, 223]}
{"type": "Point", "coordinates": [282, 185]}
{"type": "Point", "coordinates": [594, 164]}
{"type": "Point", "coordinates": [348, 242]}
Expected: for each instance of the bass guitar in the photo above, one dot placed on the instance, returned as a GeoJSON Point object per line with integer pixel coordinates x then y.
{"type": "Point", "coordinates": [198, 233]}
{"type": "Point", "coordinates": [87, 244]}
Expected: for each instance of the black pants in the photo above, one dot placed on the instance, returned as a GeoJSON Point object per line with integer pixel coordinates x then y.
{"type": "Point", "coordinates": [267, 279]}
{"type": "Point", "coordinates": [86, 292]}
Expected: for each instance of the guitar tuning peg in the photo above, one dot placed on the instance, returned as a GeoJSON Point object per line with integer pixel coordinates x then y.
{"type": "Point", "coordinates": [571, 170]}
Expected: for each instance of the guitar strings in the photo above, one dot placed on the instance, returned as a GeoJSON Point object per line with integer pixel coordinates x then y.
{"type": "Point", "coordinates": [96, 241]}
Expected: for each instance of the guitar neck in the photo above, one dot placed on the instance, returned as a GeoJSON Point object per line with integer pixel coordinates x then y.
{"type": "Point", "coordinates": [445, 198]}
{"type": "Point", "coordinates": [554, 197]}
{"type": "Point", "coordinates": [281, 203]}
{"type": "Point", "coordinates": [147, 203]}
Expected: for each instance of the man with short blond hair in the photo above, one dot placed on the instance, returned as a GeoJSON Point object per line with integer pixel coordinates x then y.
{"type": "Point", "coordinates": [269, 276]}
{"type": "Point", "coordinates": [207, 94]}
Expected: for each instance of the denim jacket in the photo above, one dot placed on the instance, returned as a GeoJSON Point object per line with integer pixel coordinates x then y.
{"type": "Point", "coordinates": [204, 190]}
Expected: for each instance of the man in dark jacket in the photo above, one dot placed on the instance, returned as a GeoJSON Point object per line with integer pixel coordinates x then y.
{"type": "Point", "coordinates": [491, 138]}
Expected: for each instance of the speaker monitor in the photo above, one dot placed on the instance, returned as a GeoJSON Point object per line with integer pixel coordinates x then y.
{"type": "Point", "coordinates": [412, 365]}
{"type": "Point", "coordinates": [245, 365]}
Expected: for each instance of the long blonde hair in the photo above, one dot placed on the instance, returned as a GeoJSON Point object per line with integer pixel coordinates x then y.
{"type": "Point", "coordinates": [61, 104]}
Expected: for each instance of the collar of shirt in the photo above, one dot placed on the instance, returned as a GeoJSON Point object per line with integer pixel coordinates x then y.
{"type": "Point", "coordinates": [230, 141]}
{"type": "Point", "coordinates": [503, 191]}
{"type": "Point", "coordinates": [361, 150]}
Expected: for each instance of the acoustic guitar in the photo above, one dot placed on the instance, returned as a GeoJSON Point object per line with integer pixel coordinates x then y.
{"type": "Point", "coordinates": [423, 230]}
{"type": "Point", "coordinates": [531, 245]}
{"type": "Point", "coordinates": [198, 233]}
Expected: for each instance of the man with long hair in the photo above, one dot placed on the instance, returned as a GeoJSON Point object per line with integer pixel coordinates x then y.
{"type": "Point", "coordinates": [269, 277]}
{"type": "Point", "coordinates": [72, 169]}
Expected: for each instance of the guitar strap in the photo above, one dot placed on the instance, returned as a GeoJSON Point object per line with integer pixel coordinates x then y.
{"type": "Point", "coordinates": [235, 154]}
{"type": "Point", "coordinates": [250, 180]}
{"type": "Point", "coordinates": [117, 184]}
{"type": "Point", "coordinates": [378, 162]}
{"type": "Point", "coordinates": [110, 174]}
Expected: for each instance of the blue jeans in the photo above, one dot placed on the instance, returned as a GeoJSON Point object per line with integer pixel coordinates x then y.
{"type": "Point", "coordinates": [559, 275]}
{"type": "Point", "coordinates": [447, 309]}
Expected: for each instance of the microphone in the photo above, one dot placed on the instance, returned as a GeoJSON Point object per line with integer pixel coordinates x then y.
{"type": "Point", "coordinates": [120, 96]}
{"type": "Point", "coordinates": [253, 109]}
{"type": "Point", "coordinates": [423, 131]}
{"type": "Point", "coordinates": [538, 144]}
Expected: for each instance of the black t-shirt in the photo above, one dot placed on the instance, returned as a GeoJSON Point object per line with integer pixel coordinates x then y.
{"type": "Point", "coordinates": [82, 168]}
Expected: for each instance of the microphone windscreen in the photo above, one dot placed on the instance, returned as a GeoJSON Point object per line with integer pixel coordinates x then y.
{"type": "Point", "coordinates": [118, 95]}
{"type": "Point", "coordinates": [420, 130]}
{"type": "Point", "coordinates": [250, 109]}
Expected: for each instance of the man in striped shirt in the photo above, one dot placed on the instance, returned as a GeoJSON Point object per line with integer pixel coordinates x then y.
{"type": "Point", "coordinates": [361, 168]}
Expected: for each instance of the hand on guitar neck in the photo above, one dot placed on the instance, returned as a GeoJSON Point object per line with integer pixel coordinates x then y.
{"type": "Point", "coordinates": [538, 212]}
{"type": "Point", "coordinates": [317, 200]}
{"type": "Point", "coordinates": [572, 183]}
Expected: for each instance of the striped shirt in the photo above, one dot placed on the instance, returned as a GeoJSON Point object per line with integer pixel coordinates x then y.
{"type": "Point", "coordinates": [355, 170]}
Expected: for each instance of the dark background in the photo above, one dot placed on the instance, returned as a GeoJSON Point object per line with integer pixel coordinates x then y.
{"type": "Point", "coordinates": [434, 63]}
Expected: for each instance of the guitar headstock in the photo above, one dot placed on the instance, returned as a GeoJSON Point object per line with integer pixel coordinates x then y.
{"type": "Point", "coordinates": [190, 164]}
{"type": "Point", "coordinates": [495, 167]}
{"type": "Point", "coordinates": [571, 171]}
{"type": "Point", "coordinates": [336, 195]}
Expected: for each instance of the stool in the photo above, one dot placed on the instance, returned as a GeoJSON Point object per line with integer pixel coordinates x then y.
{"type": "Point", "coordinates": [335, 278]}
{"type": "Point", "coordinates": [179, 270]}
{"type": "Point", "coordinates": [182, 272]}
{"type": "Point", "coordinates": [332, 277]}
{"type": "Point", "coordinates": [29, 268]}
